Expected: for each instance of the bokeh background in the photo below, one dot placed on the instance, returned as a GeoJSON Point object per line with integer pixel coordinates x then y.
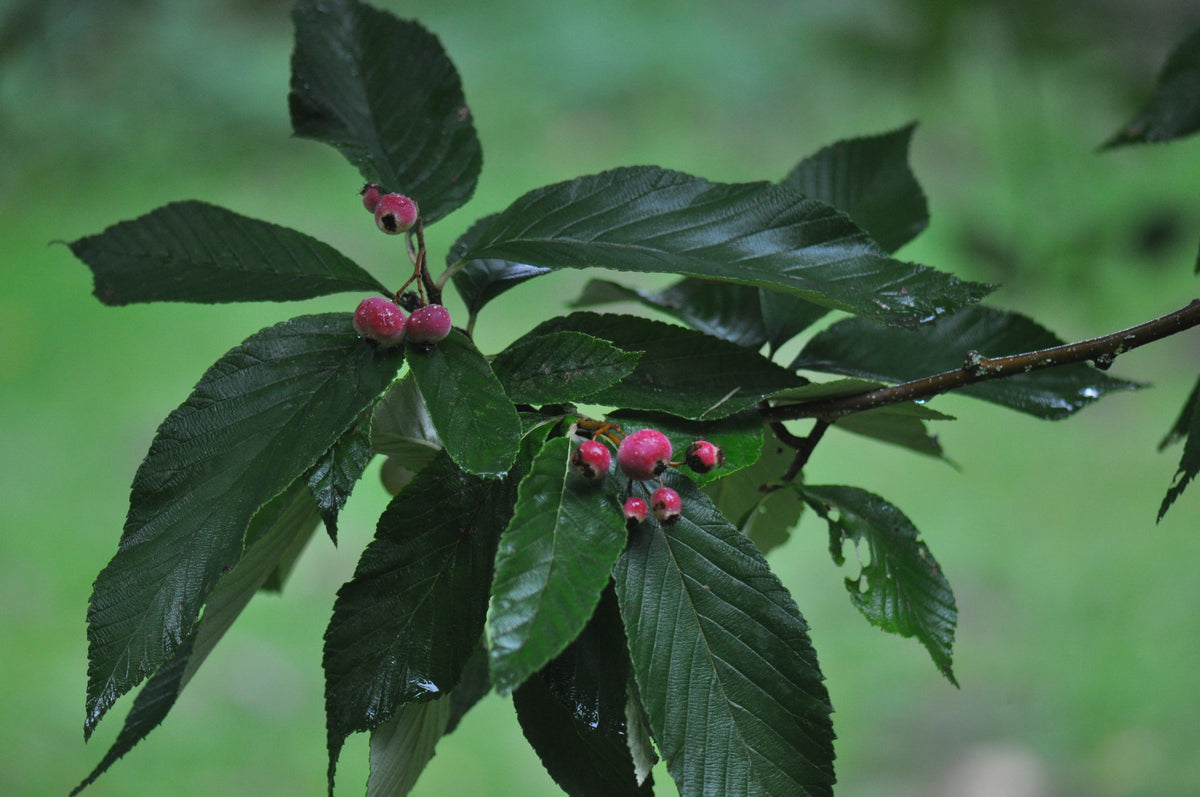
{"type": "Point", "coordinates": [1079, 638]}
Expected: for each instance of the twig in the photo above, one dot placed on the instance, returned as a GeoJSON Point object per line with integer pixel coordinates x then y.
{"type": "Point", "coordinates": [1102, 351]}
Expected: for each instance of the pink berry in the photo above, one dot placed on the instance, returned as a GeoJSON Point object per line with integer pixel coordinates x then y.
{"type": "Point", "coordinates": [636, 510]}
{"type": "Point", "coordinates": [380, 320]}
{"type": "Point", "coordinates": [666, 505]}
{"type": "Point", "coordinates": [395, 213]}
{"type": "Point", "coordinates": [644, 454]}
{"type": "Point", "coordinates": [370, 196]}
{"type": "Point", "coordinates": [429, 324]}
{"type": "Point", "coordinates": [702, 456]}
{"type": "Point", "coordinates": [591, 460]}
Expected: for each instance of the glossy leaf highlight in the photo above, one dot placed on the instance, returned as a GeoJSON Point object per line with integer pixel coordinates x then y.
{"type": "Point", "coordinates": [647, 219]}
{"type": "Point", "coordinates": [257, 420]}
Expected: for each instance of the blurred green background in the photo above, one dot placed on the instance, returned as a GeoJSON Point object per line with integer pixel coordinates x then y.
{"type": "Point", "coordinates": [1079, 640]}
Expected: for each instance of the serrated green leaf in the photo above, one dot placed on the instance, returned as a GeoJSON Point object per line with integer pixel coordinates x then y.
{"type": "Point", "coordinates": [681, 372]}
{"type": "Point", "coordinates": [1187, 426]}
{"type": "Point", "coordinates": [729, 312]}
{"type": "Point", "coordinates": [385, 94]}
{"type": "Point", "coordinates": [857, 348]}
{"type": "Point", "coordinates": [717, 643]}
{"type": "Point", "coordinates": [553, 561]}
{"type": "Point", "coordinates": [477, 424]}
{"type": "Point", "coordinates": [257, 420]}
{"type": "Point", "coordinates": [785, 316]}
{"type": "Point", "coordinates": [338, 470]}
{"type": "Point", "coordinates": [869, 179]}
{"type": "Point", "coordinates": [1173, 110]}
{"type": "Point", "coordinates": [561, 367]}
{"type": "Point", "coordinates": [275, 538]}
{"type": "Point", "coordinates": [901, 587]}
{"type": "Point", "coordinates": [573, 712]}
{"type": "Point", "coordinates": [196, 252]}
{"type": "Point", "coordinates": [480, 281]}
{"type": "Point", "coordinates": [405, 625]}
{"type": "Point", "coordinates": [647, 219]}
{"type": "Point", "coordinates": [401, 427]}
{"type": "Point", "coordinates": [755, 498]}
{"type": "Point", "coordinates": [402, 746]}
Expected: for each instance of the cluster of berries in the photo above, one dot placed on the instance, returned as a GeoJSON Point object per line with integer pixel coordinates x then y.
{"type": "Point", "coordinates": [642, 456]}
{"type": "Point", "coordinates": [394, 213]}
{"type": "Point", "coordinates": [382, 320]}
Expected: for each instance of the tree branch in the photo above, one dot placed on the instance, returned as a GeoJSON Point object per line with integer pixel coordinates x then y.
{"type": "Point", "coordinates": [1101, 351]}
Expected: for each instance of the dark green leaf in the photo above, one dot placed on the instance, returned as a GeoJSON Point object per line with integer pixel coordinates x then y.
{"type": "Point", "coordinates": [756, 499]}
{"type": "Point", "coordinates": [718, 644]}
{"type": "Point", "coordinates": [729, 312]}
{"type": "Point", "coordinates": [553, 561]}
{"type": "Point", "coordinates": [480, 281]}
{"type": "Point", "coordinates": [869, 179]}
{"type": "Point", "coordinates": [385, 94]}
{"type": "Point", "coordinates": [856, 348]}
{"type": "Point", "coordinates": [335, 474]}
{"type": "Point", "coordinates": [401, 427]}
{"type": "Point", "coordinates": [476, 422]}
{"type": "Point", "coordinates": [1173, 111]}
{"type": "Point", "coordinates": [1186, 426]}
{"type": "Point", "coordinates": [573, 712]}
{"type": "Point", "coordinates": [276, 537]}
{"type": "Point", "coordinates": [561, 367]}
{"type": "Point", "coordinates": [899, 424]}
{"type": "Point", "coordinates": [403, 745]}
{"type": "Point", "coordinates": [404, 627]}
{"type": "Point", "coordinates": [681, 372]}
{"type": "Point", "coordinates": [900, 588]}
{"type": "Point", "coordinates": [196, 252]}
{"type": "Point", "coordinates": [473, 685]}
{"type": "Point", "coordinates": [257, 420]}
{"type": "Point", "coordinates": [785, 316]}
{"type": "Point", "coordinates": [647, 219]}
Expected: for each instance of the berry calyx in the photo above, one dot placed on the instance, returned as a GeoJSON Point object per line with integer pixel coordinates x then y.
{"type": "Point", "coordinates": [644, 454]}
{"type": "Point", "coordinates": [636, 511]}
{"type": "Point", "coordinates": [380, 320]}
{"type": "Point", "coordinates": [702, 456]}
{"type": "Point", "coordinates": [666, 505]}
{"type": "Point", "coordinates": [395, 213]}
{"type": "Point", "coordinates": [428, 324]}
{"type": "Point", "coordinates": [591, 460]}
{"type": "Point", "coordinates": [370, 196]}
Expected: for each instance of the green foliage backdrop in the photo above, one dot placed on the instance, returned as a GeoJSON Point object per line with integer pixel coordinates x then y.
{"type": "Point", "coordinates": [1074, 648]}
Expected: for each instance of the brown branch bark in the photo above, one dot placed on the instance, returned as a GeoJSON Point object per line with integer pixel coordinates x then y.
{"type": "Point", "coordinates": [1101, 350]}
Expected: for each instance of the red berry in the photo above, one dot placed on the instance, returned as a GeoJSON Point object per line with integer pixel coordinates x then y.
{"type": "Point", "coordinates": [395, 213]}
{"type": "Point", "coordinates": [702, 456]}
{"type": "Point", "coordinates": [380, 320]}
{"type": "Point", "coordinates": [591, 460]}
{"type": "Point", "coordinates": [429, 324]}
{"type": "Point", "coordinates": [636, 510]}
{"type": "Point", "coordinates": [644, 454]}
{"type": "Point", "coordinates": [370, 196]}
{"type": "Point", "coordinates": [666, 505]}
